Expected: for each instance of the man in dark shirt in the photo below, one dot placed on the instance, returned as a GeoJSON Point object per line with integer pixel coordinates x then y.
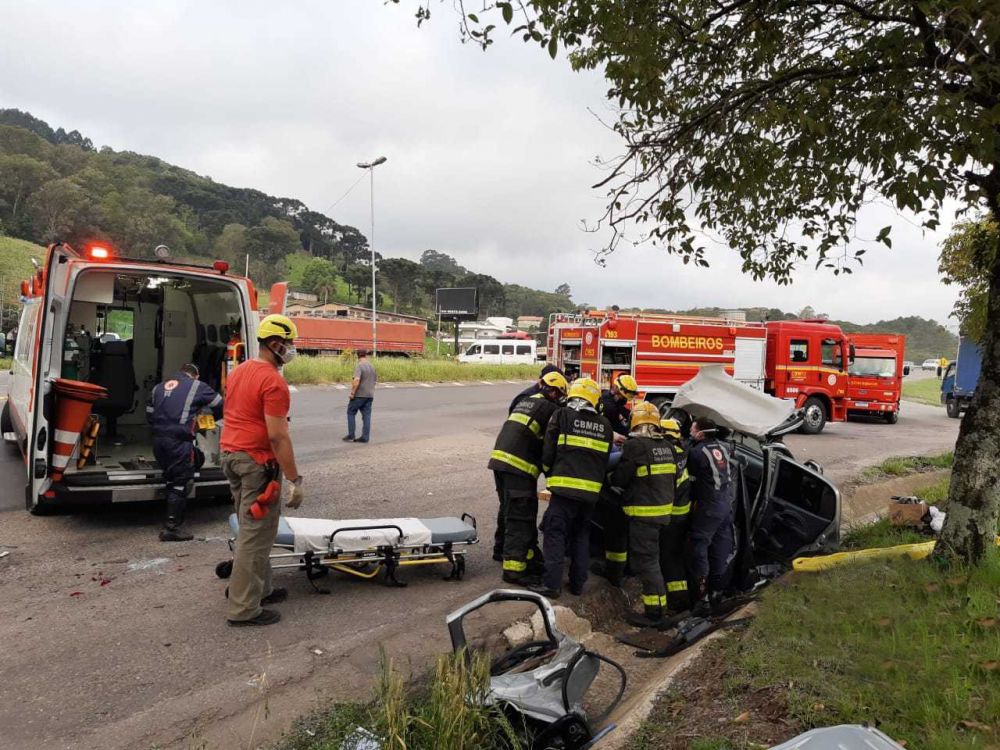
{"type": "Point", "coordinates": [534, 388]}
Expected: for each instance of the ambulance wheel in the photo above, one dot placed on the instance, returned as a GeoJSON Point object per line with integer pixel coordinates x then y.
{"type": "Point", "coordinates": [814, 416]}
{"type": "Point", "coordinates": [891, 417]}
{"type": "Point", "coordinates": [6, 422]}
{"type": "Point", "coordinates": [41, 509]}
{"type": "Point", "coordinates": [224, 569]}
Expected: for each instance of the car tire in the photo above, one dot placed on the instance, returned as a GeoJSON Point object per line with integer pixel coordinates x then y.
{"type": "Point", "coordinates": [891, 417]}
{"type": "Point", "coordinates": [952, 408]}
{"type": "Point", "coordinates": [814, 416]}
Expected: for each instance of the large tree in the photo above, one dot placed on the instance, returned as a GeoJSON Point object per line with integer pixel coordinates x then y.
{"type": "Point", "coordinates": [770, 123]}
{"type": "Point", "coordinates": [966, 258]}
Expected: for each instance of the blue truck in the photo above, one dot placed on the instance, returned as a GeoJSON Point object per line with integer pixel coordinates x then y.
{"type": "Point", "coordinates": [960, 378]}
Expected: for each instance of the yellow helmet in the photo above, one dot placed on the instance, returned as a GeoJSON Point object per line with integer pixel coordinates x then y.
{"type": "Point", "coordinates": [586, 389]}
{"type": "Point", "coordinates": [644, 412]}
{"type": "Point", "coordinates": [277, 325]}
{"type": "Point", "coordinates": [627, 384]}
{"type": "Point", "coordinates": [671, 426]}
{"type": "Point", "coordinates": [555, 380]}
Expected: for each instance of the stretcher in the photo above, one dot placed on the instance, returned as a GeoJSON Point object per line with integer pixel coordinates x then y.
{"type": "Point", "coordinates": [365, 547]}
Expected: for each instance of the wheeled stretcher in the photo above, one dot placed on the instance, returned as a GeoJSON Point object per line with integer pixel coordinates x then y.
{"type": "Point", "coordinates": [365, 547]}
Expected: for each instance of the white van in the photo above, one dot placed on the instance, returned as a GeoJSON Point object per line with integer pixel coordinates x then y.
{"type": "Point", "coordinates": [91, 319]}
{"type": "Point", "coordinates": [501, 352]}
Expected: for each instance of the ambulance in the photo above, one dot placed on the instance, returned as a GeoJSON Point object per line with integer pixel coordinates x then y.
{"type": "Point", "coordinates": [97, 332]}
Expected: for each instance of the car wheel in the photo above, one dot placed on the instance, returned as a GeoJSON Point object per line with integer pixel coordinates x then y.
{"type": "Point", "coordinates": [952, 408]}
{"type": "Point", "coordinates": [891, 417]}
{"type": "Point", "coordinates": [814, 416]}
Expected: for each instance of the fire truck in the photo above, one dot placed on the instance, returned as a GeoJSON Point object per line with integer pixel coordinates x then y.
{"type": "Point", "coordinates": [875, 381]}
{"type": "Point", "coordinates": [804, 360]}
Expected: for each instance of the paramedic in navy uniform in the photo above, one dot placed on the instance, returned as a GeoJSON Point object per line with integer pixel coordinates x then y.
{"type": "Point", "coordinates": [172, 410]}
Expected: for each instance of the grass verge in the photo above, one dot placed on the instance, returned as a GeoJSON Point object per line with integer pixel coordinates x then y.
{"type": "Point", "coordinates": [900, 466]}
{"type": "Point", "coordinates": [5, 363]}
{"type": "Point", "coordinates": [906, 645]}
{"type": "Point", "coordinates": [448, 714]}
{"type": "Point", "coordinates": [881, 533]}
{"type": "Point", "coordinates": [319, 370]}
{"type": "Point", "coordinates": [925, 391]}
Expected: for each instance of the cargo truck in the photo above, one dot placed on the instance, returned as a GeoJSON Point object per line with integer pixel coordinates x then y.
{"type": "Point", "coordinates": [960, 378]}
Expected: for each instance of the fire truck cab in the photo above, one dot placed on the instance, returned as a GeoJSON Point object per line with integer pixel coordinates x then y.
{"type": "Point", "coordinates": [99, 332]}
{"type": "Point", "coordinates": [875, 383]}
{"type": "Point", "coordinates": [807, 362]}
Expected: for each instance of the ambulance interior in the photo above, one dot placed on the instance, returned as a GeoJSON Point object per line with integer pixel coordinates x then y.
{"type": "Point", "coordinates": [129, 331]}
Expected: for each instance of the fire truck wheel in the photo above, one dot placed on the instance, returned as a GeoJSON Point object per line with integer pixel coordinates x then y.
{"type": "Point", "coordinates": [814, 414]}
{"type": "Point", "coordinates": [891, 417]}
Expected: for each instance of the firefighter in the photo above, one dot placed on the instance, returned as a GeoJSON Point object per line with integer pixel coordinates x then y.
{"type": "Point", "coordinates": [575, 461]}
{"type": "Point", "coordinates": [673, 560]}
{"type": "Point", "coordinates": [516, 462]}
{"type": "Point", "coordinates": [614, 401]}
{"type": "Point", "coordinates": [172, 409]}
{"type": "Point", "coordinates": [713, 493]}
{"type": "Point", "coordinates": [644, 480]}
{"type": "Point", "coordinates": [535, 388]}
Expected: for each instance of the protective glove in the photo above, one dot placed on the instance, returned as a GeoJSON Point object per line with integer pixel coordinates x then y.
{"type": "Point", "coordinates": [297, 495]}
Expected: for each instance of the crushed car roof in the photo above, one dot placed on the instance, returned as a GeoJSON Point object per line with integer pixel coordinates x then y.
{"type": "Point", "coordinates": [714, 394]}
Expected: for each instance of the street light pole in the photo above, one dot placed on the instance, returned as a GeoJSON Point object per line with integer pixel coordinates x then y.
{"type": "Point", "coordinates": [370, 166]}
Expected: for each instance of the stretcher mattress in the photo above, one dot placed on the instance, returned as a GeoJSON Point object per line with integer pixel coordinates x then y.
{"type": "Point", "coordinates": [305, 534]}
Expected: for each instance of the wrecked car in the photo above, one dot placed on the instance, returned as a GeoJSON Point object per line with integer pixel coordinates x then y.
{"type": "Point", "coordinates": [789, 508]}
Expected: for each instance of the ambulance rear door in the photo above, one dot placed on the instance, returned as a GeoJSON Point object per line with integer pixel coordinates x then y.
{"type": "Point", "coordinates": [50, 328]}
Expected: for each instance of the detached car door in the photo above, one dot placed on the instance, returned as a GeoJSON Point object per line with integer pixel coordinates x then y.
{"type": "Point", "coordinates": [797, 510]}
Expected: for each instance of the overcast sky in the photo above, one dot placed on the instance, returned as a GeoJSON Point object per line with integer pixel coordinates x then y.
{"type": "Point", "coordinates": [490, 155]}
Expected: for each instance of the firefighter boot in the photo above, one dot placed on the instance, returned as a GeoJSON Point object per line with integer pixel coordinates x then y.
{"type": "Point", "coordinates": [702, 604]}
{"type": "Point", "coordinates": [172, 531]}
{"type": "Point", "coordinates": [650, 617]}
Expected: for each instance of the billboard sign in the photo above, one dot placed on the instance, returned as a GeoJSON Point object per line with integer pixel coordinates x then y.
{"type": "Point", "coordinates": [458, 303]}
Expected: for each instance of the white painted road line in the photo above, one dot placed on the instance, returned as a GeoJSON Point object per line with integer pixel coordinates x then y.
{"type": "Point", "coordinates": [293, 389]}
{"type": "Point", "coordinates": [386, 385]}
{"type": "Point", "coordinates": [485, 382]}
{"type": "Point", "coordinates": [455, 382]}
{"type": "Point", "coordinates": [425, 385]}
{"type": "Point", "coordinates": [341, 387]}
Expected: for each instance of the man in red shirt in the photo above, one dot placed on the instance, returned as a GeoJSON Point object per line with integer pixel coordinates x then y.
{"type": "Point", "coordinates": [256, 450]}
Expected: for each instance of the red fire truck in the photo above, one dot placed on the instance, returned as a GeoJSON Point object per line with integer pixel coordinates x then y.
{"type": "Point", "coordinates": [802, 361]}
{"type": "Point", "coordinates": [876, 375]}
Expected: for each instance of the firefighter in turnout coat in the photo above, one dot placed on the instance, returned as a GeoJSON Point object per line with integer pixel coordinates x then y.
{"type": "Point", "coordinates": [172, 409]}
{"type": "Point", "coordinates": [645, 480]}
{"type": "Point", "coordinates": [516, 462]}
{"type": "Point", "coordinates": [575, 461]}
{"type": "Point", "coordinates": [673, 558]}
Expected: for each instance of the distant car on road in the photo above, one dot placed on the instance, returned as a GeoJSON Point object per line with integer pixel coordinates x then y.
{"type": "Point", "coordinates": [930, 364]}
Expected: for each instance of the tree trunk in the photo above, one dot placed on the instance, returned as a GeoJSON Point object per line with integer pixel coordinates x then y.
{"type": "Point", "coordinates": [970, 528]}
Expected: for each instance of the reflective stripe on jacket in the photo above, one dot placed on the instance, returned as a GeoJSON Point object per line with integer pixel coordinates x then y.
{"type": "Point", "coordinates": [518, 448]}
{"type": "Point", "coordinates": [647, 477]}
{"type": "Point", "coordinates": [175, 403]}
{"type": "Point", "coordinates": [575, 453]}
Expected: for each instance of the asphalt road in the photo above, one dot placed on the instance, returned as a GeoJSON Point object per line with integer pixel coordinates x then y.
{"type": "Point", "coordinates": [146, 658]}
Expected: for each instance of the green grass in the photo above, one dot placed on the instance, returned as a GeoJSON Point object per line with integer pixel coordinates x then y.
{"type": "Point", "coordinates": [318, 370]}
{"type": "Point", "coordinates": [881, 533]}
{"type": "Point", "coordinates": [448, 714]}
{"type": "Point", "coordinates": [15, 267]}
{"type": "Point", "coordinates": [925, 391]}
{"type": "Point", "coordinates": [5, 363]}
{"type": "Point", "coordinates": [908, 645]}
{"type": "Point", "coordinates": [900, 466]}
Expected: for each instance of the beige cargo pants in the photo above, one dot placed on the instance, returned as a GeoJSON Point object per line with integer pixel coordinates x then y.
{"type": "Point", "coordinates": [251, 578]}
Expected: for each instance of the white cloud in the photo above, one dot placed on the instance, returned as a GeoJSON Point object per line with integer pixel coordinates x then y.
{"type": "Point", "coordinates": [489, 153]}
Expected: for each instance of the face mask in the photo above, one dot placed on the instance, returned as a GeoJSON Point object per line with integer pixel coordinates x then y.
{"type": "Point", "coordinates": [285, 354]}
